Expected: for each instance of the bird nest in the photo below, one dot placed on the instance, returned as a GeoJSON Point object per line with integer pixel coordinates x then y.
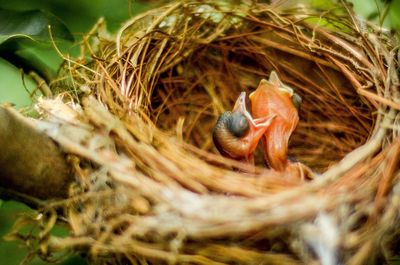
{"type": "Point", "coordinates": [137, 118]}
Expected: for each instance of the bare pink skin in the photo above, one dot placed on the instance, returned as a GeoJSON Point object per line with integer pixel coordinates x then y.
{"type": "Point", "coordinates": [273, 99]}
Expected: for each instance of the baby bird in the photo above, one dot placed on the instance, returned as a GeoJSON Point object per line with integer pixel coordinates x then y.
{"type": "Point", "coordinates": [237, 134]}
{"type": "Point", "coordinates": [274, 99]}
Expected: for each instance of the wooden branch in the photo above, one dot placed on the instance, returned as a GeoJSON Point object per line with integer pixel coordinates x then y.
{"type": "Point", "coordinates": [31, 164]}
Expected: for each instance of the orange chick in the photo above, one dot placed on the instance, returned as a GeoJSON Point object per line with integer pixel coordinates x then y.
{"type": "Point", "coordinates": [236, 134]}
{"type": "Point", "coordinates": [274, 99]}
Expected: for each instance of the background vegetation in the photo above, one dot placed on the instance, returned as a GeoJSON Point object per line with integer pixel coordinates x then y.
{"type": "Point", "coordinates": [79, 16]}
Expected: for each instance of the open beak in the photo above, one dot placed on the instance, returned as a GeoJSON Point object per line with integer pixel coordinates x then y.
{"type": "Point", "coordinates": [278, 84]}
{"type": "Point", "coordinates": [240, 106]}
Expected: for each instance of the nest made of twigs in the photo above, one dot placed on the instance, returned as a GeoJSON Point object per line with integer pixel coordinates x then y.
{"type": "Point", "coordinates": [137, 120]}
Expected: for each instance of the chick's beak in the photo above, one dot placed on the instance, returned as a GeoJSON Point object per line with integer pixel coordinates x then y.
{"type": "Point", "coordinates": [257, 124]}
{"type": "Point", "coordinates": [240, 104]}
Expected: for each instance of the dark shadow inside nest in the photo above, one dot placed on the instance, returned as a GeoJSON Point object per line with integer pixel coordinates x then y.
{"type": "Point", "coordinates": [334, 119]}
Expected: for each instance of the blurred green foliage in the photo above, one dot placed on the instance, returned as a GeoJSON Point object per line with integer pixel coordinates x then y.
{"type": "Point", "coordinates": [79, 16]}
{"type": "Point", "coordinates": [12, 253]}
{"type": "Point", "coordinates": [25, 39]}
{"type": "Point", "coordinates": [385, 13]}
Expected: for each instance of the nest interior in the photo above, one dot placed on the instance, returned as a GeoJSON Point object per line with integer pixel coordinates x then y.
{"type": "Point", "coordinates": [151, 185]}
{"type": "Point", "coordinates": [191, 71]}
{"type": "Point", "coordinates": [335, 119]}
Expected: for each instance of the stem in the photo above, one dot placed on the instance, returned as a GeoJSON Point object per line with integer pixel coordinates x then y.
{"type": "Point", "coordinates": [31, 164]}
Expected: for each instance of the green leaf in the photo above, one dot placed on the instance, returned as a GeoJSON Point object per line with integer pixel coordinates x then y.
{"type": "Point", "coordinates": [13, 89]}
{"type": "Point", "coordinates": [32, 25]}
{"type": "Point", "coordinates": [22, 34]}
